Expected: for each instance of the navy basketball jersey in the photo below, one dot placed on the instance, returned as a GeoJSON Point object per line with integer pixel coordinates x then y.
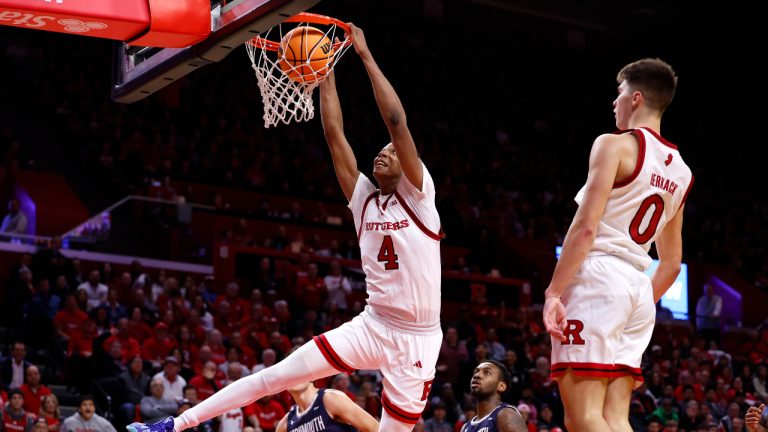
{"type": "Point", "coordinates": [315, 418]}
{"type": "Point", "coordinates": [487, 423]}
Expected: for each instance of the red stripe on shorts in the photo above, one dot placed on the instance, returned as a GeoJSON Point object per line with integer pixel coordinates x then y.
{"type": "Point", "coordinates": [595, 370]}
{"type": "Point", "coordinates": [332, 356]}
{"type": "Point", "coordinates": [399, 414]}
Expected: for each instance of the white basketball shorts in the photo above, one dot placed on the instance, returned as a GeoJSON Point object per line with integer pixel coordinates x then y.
{"type": "Point", "coordinates": [406, 357]}
{"type": "Point", "coordinates": [610, 312]}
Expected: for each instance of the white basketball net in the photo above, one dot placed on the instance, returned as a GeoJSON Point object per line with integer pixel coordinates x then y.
{"type": "Point", "coordinates": [286, 100]}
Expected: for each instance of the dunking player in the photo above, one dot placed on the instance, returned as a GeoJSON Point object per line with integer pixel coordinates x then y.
{"type": "Point", "coordinates": [398, 230]}
{"type": "Point", "coordinates": [324, 410]}
{"type": "Point", "coordinates": [489, 383]}
{"type": "Point", "coordinates": [599, 306]}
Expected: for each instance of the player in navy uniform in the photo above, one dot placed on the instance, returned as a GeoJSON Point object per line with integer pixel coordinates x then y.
{"type": "Point", "coordinates": [489, 383]}
{"type": "Point", "coordinates": [324, 410]}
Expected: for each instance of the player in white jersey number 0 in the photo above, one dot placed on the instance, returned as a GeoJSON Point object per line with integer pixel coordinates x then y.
{"type": "Point", "coordinates": [399, 233]}
{"type": "Point", "coordinates": [599, 307]}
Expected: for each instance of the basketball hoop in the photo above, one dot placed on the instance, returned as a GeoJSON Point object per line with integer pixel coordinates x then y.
{"type": "Point", "coordinates": [286, 84]}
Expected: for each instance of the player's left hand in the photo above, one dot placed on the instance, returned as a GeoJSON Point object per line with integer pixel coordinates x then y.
{"type": "Point", "coordinates": [358, 40]}
{"type": "Point", "coordinates": [554, 318]}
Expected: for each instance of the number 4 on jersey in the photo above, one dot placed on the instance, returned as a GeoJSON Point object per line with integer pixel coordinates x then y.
{"type": "Point", "coordinates": [387, 254]}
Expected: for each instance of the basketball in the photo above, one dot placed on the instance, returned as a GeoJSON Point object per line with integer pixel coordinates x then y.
{"type": "Point", "coordinates": [305, 54]}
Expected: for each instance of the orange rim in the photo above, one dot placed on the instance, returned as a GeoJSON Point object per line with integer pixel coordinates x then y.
{"type": "Point", "coordinates": [306, 17]}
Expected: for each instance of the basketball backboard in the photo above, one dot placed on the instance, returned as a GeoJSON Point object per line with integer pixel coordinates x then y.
{"type": "Point", "coordinates": [141, 71]}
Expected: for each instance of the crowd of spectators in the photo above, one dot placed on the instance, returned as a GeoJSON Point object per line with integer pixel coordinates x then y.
{"type": "Point", "coordinates": [501, 170]}
{"type": "Point", "coordinates": [159, 343]}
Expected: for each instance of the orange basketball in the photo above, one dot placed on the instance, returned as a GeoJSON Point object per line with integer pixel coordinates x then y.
{"type": "Point", "coordinates": [305, 54]}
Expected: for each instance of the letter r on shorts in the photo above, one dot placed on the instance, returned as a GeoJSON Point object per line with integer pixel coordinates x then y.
{"type": "Point", "coordinates": [573, 333]}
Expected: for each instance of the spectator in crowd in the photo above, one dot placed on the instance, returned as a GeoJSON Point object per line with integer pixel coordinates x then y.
{"type": "Point", "coordinates": [654, 425]}
{"type": "Point", "coordinates": [238, 307]}
{"type": "Point", "coordinates": [41, 425]}
{"type": "Point", "coordinates": [234, 420]}
{"type": "Point", "coordinates": [157, 348]}
{"type": "Point", "coordinates": [50, 412]}
{"type": "Point", "coordinates": [206, 383]}
{"type": "Point", "coordinates": [50, 263]}
{"type": "Point", "coordinates": [265, 413]}
{"type": "Point", "coordinates": [338, 286]}
{"type": "Point", "coordinates": [453, 354]}
{"type": "Point", "coordinates": [190, 394]}
{"type": "Point", "coordinates": [14, 367]}
{"type": "Point", "coordinates": [115, 310]}
{"type": "Point", "coordinates": [732, 416]}
{"type": "Point", "coordinates": [497, 350]}
{"type": "Point", "coordinates": [97, 292]}
{"type": "Point", "coordinates": [525, 413]}
{"type": "Point", "coordinates": [233, 355]}
{"type": "Point", "coordinates": [86, 419]}
{"type": "Point", "coordinates": [437, 423]}
{"type": "Point", "coordinates": [246, 355]}
{"type": "Point", "coordinates": [691, 416]}
{"type": "Point", "coordinates": [760, 382]}
{"type": "Point", "coordinates": [371, 401]}
{"type": "Point", "coordinates": [34, 391]}
{"type": "Point", "coordinates": [546, 419]}
{"type": "Point", "coordinates": [69, 320]}
{"type": "Point", "coordinates": [268, 358]}
{"type": "Point", "coordinates": [519, 376]}
{"type": "Point", "coordinates": [15, 222]}
{"type": "Point", "coordinates": [134, 383]}
{"type": "Point", "coordinates": [157, 405]}
{"type": "Point", "coordinates": [40, 312]}
{"type": "Point", "coordinates": [311, 292]}
{"type": "Point", "coordinates": [15, 418]}
{"type": "Point", "coordinates": [666, 411]}
{"type": "Point", "coordinates": [708, 310]}
{"type": "Point", "coordinates": [137, 327]}
{"type": "Point", "coordinates": [671, 425]}
{"type": "Point", "coordinates": [129, 346]}
{"type": "Point", "coordinates": [173, 383]}
{"type": "Point", "coordinates": [341, 383]}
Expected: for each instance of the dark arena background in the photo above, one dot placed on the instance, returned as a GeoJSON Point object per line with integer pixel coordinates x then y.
{"type": "Point", "coordinates": [217, 239]}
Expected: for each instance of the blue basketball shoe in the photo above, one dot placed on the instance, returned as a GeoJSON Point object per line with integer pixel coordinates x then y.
{"type": "Point", "coordinates": [161, 426]}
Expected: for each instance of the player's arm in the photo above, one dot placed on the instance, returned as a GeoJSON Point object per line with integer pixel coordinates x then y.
{"type": "Point", "coordinates": [343, 410]}
{"type": "Point", "coordinates": [344, 162]}
{"type": "Point", "coordinates": [604, 160]}
{"type": "Point", "coordinates": [669, 246]}
{"type": "Point", "coordinates": [391, 111]}
{"type": "Point", "coordinates": [509, 420]}
{"type": "Point", "coordinates": [282, 426]}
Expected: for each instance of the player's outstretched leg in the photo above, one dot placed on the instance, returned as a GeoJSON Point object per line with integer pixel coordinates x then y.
{"type": "Point", "coordinates": [305, 364]}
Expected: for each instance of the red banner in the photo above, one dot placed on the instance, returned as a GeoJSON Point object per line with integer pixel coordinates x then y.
{"type": "Point", "coordinates": [157, 23]}
{"type": "Point", "coordinates": [115, 19]}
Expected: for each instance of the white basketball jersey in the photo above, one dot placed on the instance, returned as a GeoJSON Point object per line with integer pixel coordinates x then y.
{"type": "Point", "coordinates": [399, 237]}
{"type": "Point", "coordinates": [639, 207]}
{"type": "Point", "coordinates": [232, 421]}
